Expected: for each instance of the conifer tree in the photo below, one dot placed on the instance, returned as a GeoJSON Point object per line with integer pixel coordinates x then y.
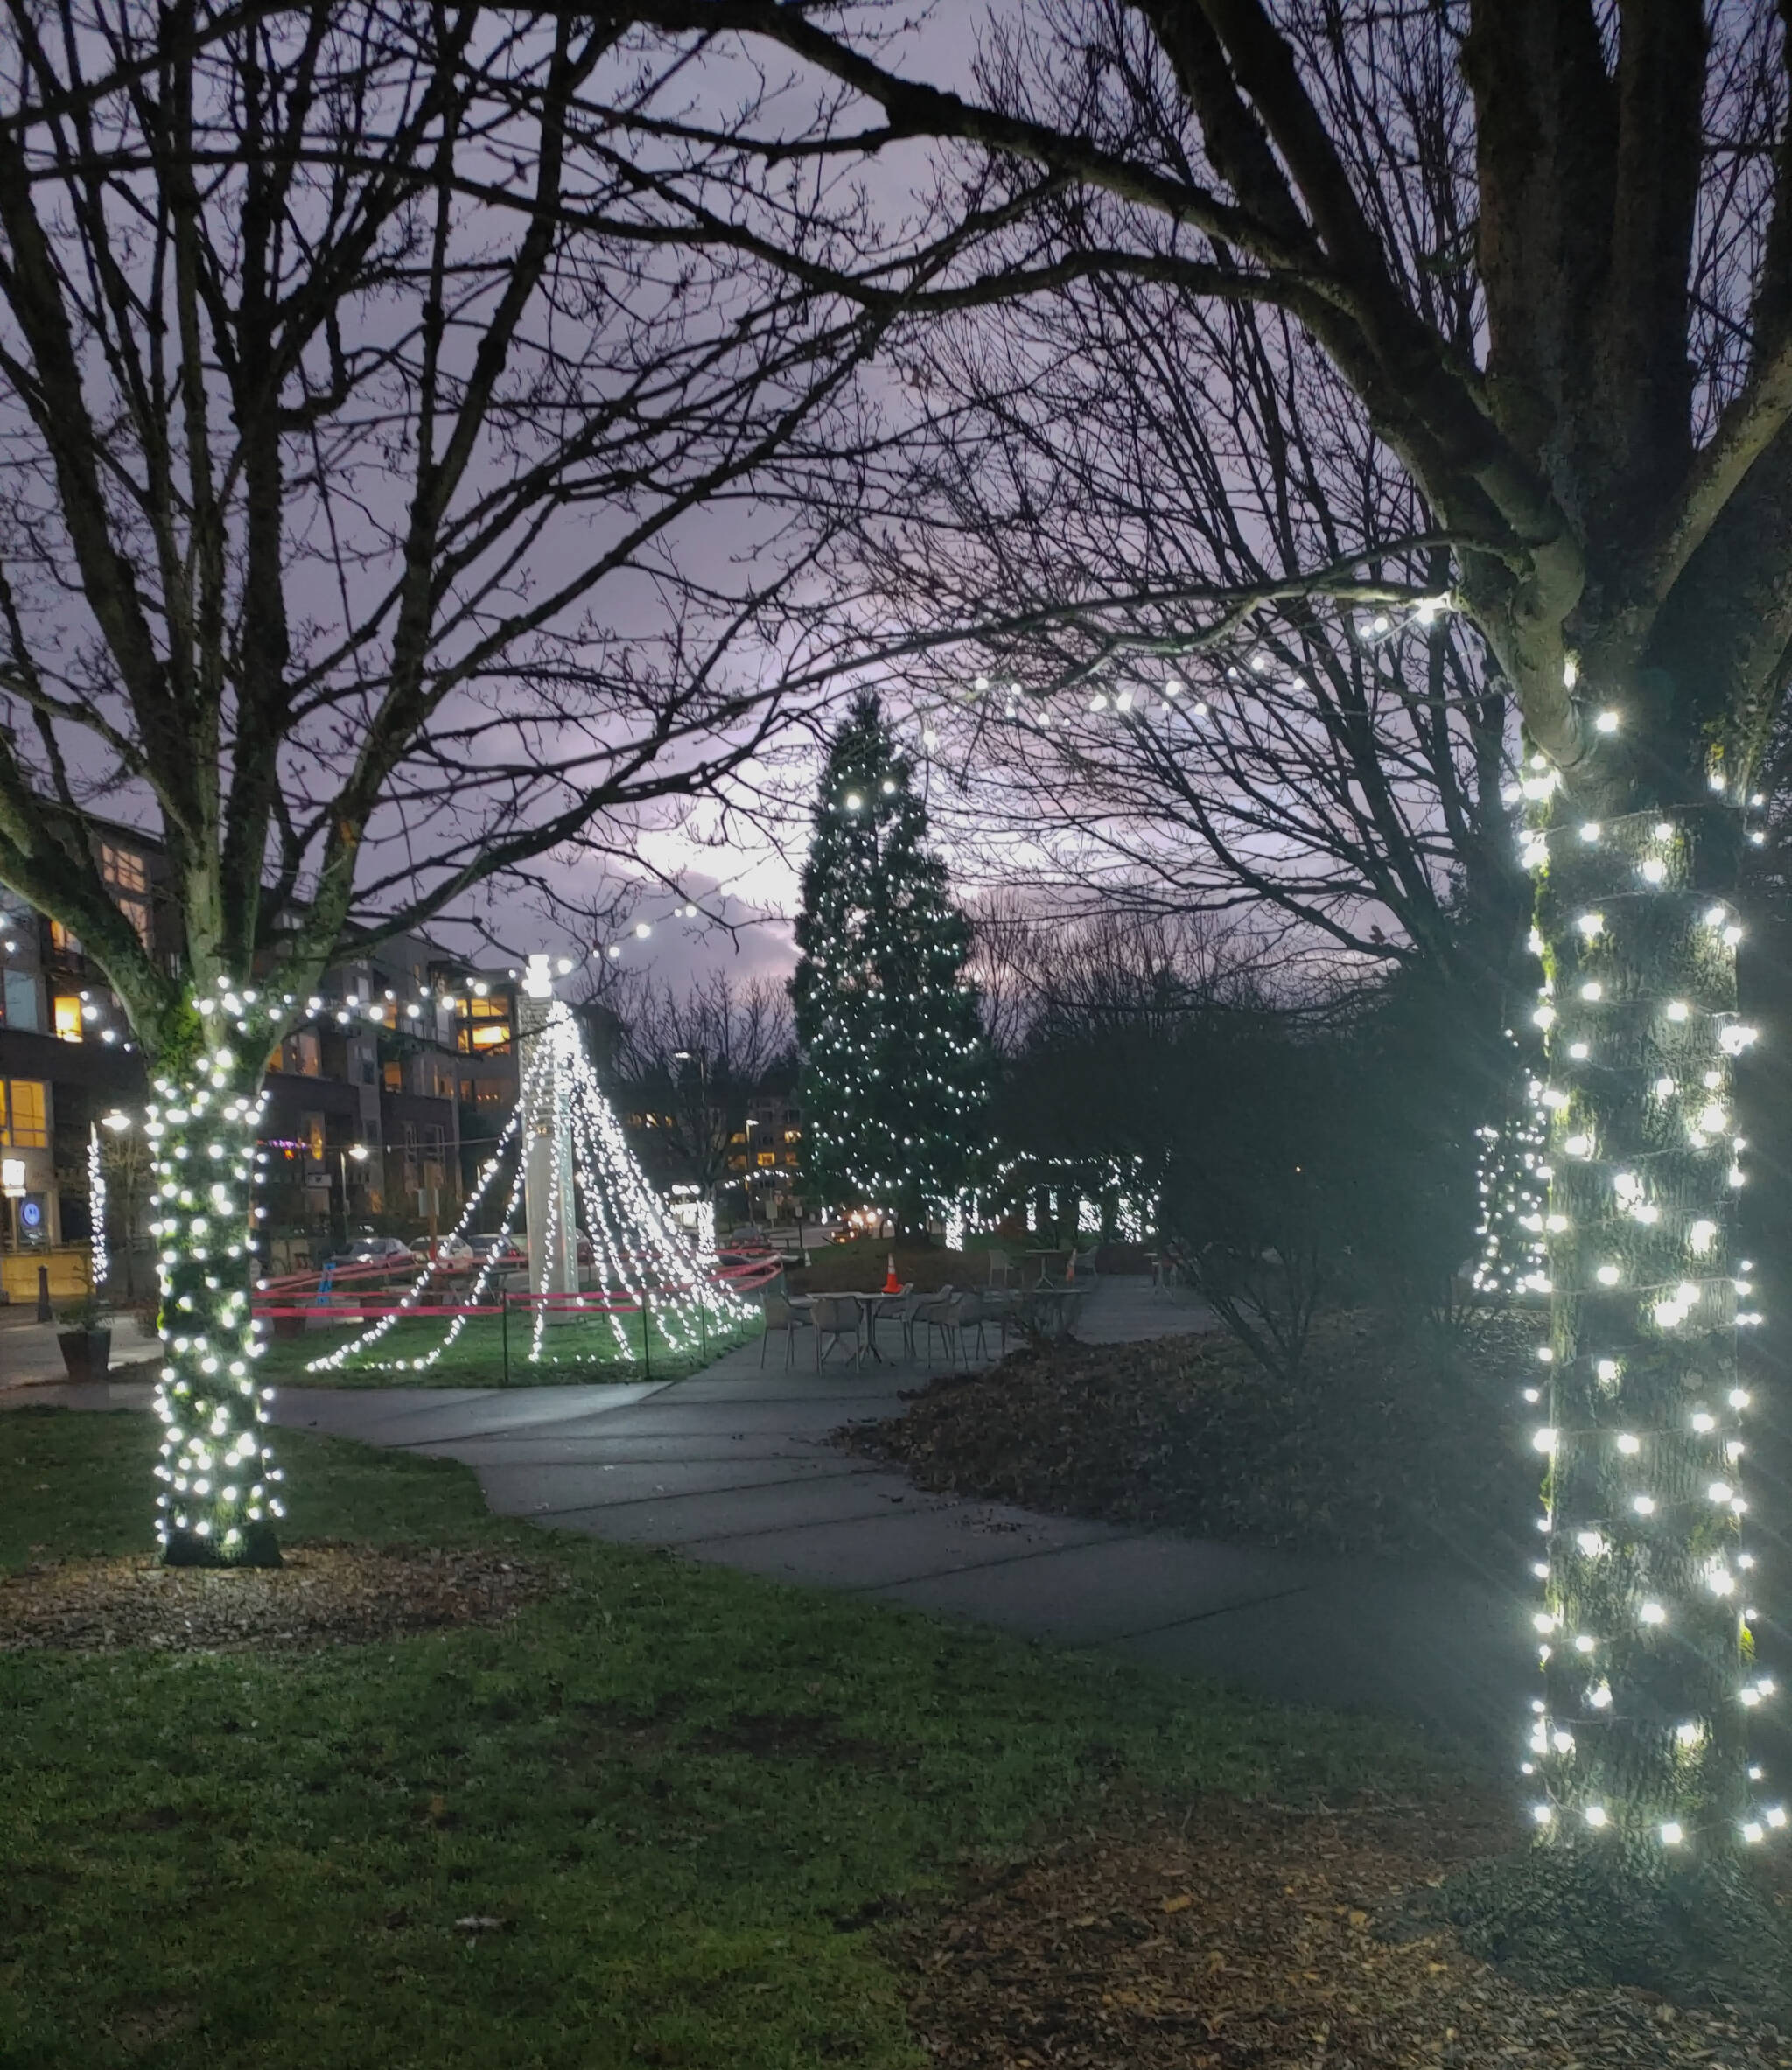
{"type": "Point", "coordinates": [894, 1063]}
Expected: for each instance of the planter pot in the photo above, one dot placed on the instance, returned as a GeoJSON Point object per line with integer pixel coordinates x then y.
{"type": "Point", "coordinates": [85, 1353]}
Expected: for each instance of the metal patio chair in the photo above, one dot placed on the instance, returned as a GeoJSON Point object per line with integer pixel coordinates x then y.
{"type": "Point", "coordinates": [832, 1316]}
{"type": "Point", "coordinates": [782, 1314]}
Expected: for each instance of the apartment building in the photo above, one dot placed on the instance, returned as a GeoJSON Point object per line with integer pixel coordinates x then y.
{"type": "Point", "coordinates": [765, 1154]}
{"type": "Point", "coordinates": [66, 1060]}
{"type": "Point", "coordinates": [362, 1122]}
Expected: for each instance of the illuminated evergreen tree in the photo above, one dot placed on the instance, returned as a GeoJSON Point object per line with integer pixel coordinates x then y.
{"type": "Point", "coordinates": [894, 1065]}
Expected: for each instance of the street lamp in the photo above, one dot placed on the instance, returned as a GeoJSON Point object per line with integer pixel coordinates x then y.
{"type": "Point", "coordinates": [359, 1152]}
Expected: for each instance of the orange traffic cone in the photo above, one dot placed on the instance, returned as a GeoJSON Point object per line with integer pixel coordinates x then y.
{"type": "Point", "coordinates": [892, 1284]}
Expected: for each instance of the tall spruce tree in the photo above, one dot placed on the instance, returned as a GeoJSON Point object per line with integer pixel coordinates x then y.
{"type": "Point", "coordinates": [894, 1064]}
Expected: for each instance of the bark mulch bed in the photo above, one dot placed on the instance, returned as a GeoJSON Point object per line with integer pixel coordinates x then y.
{"type": "Point", "coordinates": [1381, 1447]}
{"type": "Point", "coordinates": [326, 1594]}
{"type": "Point", "coordinates": [1245, 1937]}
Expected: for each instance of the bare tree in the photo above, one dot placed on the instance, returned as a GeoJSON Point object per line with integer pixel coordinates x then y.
{"type": "Point", "coordinates": [358, 383]}
{"type": "Point", "coordinates": [1340, 775]}
{"type": "Point", "coordinates": [1605, 457]}
{"type": "Point", "coordinates": [694, 1060]}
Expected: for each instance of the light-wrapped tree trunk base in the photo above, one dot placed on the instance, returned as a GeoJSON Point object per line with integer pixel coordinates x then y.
{"type": "Point", "coordinates": [1572, 1917]}
{"type": "Point", "coordinates": [1650, 1820]}
{"type": "Point", "coordinates": [218, 1500]}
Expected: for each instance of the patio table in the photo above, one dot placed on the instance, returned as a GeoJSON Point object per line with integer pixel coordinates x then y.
{"type": "Point", "coordinates": [1051, 1310]}
{"type": "Point", "coordinates": [870, 1307]}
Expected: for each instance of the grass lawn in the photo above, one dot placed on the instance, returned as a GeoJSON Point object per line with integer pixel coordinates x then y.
{"type": "Point", "coordinates": [581, 1348]}
{"type": "Point", "coordinates": [685, 1796]}
{"type": "Point", "coordinates": [862, 1264]}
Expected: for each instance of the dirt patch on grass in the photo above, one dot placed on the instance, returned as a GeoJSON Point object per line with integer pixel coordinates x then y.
{"type": "Point", "coordinates": [1242, 1935]}
{"type": "Point", "coordinates": [326, 1594]}
{"type": "Point", "coordinates": [1380, 1447]}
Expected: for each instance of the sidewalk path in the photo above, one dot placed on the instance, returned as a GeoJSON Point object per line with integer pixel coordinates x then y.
{"type": "Point", "coordinates": [733, 1465]}
{"type": "Point", "coordinates": [29, 1354]}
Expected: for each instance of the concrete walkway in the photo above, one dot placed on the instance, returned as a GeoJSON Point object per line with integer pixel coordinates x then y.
{"type": "Point", "coordinates": [29, 1354]}
{"type": "Point", "coordinates": [733, 1465]}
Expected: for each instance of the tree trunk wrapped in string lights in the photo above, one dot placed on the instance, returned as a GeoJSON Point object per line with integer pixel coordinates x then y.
{"type": "Point", "coordinates": [219, 1496]}
{"type": "Point", "coordinates": [1638, 1740]}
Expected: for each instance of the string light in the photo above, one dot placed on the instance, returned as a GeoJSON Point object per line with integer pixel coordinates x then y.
{"type": "Point", "coordinates": [201, 1127]}
{"type": "Point", "coordinates": [1669, 1283]}
{"type": "Point", "coordinates": [895, 1063]}
{"type": "Point", "coordinates": [641, 1262]}
{"type": "Point", "coordinates": [96, 1211]}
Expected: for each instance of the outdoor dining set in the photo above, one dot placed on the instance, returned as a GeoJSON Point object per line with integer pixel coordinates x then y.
{"type": "Point", "coordinates": [960, 1317]}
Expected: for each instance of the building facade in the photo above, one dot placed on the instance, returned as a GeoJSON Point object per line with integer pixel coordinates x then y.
{"type": "Point", "coordinates": [363, 1122]}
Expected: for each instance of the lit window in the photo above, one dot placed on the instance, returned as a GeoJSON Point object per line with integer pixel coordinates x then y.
{"type": "Point", "coordinates": [127, 876]}
{"type": "Point", "coordinates": [484, 1027]}
{"type": "Point", "coordinates": [68, 1018]}
{"type": "Point", "coordinates": [62, 941]}
{"type": "Point", "coordinates": [393, 1077]}
{"type": "Point", "coordinates": [23, 1124]}
{"type": "Point", "coordinates": [122, 870]}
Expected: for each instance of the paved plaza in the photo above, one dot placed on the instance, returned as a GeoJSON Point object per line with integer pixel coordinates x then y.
{"type": "Point", "coordinates": [735, 1466]}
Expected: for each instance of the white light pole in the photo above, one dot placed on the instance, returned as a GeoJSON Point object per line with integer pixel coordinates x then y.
{"type": "Point", "coordinates": [359, 1152]}
{"type": "Point", "coordinates": [553, 1244]}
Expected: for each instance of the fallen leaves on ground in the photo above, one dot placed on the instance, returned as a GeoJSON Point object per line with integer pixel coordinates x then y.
{"type": "Point", "coordinates": [1239, 1935]}
{"type": "Point", "coordinates": [326, 1594]}
{"type": "Point", "coordinates": [1381, 1447]}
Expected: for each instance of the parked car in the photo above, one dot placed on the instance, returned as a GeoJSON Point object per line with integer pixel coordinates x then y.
{"type": "Point", "coordinates": [445, 1251]}
{"type": "Point", "coordinates": [516, 1251]}
{"type": "Point", "coordinates": [374, 1250]}
{"type": "Point", "coordinates": [502, 1251]}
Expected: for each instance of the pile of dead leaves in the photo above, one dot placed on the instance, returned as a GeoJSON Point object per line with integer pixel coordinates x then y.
{"type": "Point", "coordinates": [1382, 1445]}
{"type": "Point", "coordinates": [1243, 1934]}
{"type": "Point", "coordinates": [326, 1594]}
